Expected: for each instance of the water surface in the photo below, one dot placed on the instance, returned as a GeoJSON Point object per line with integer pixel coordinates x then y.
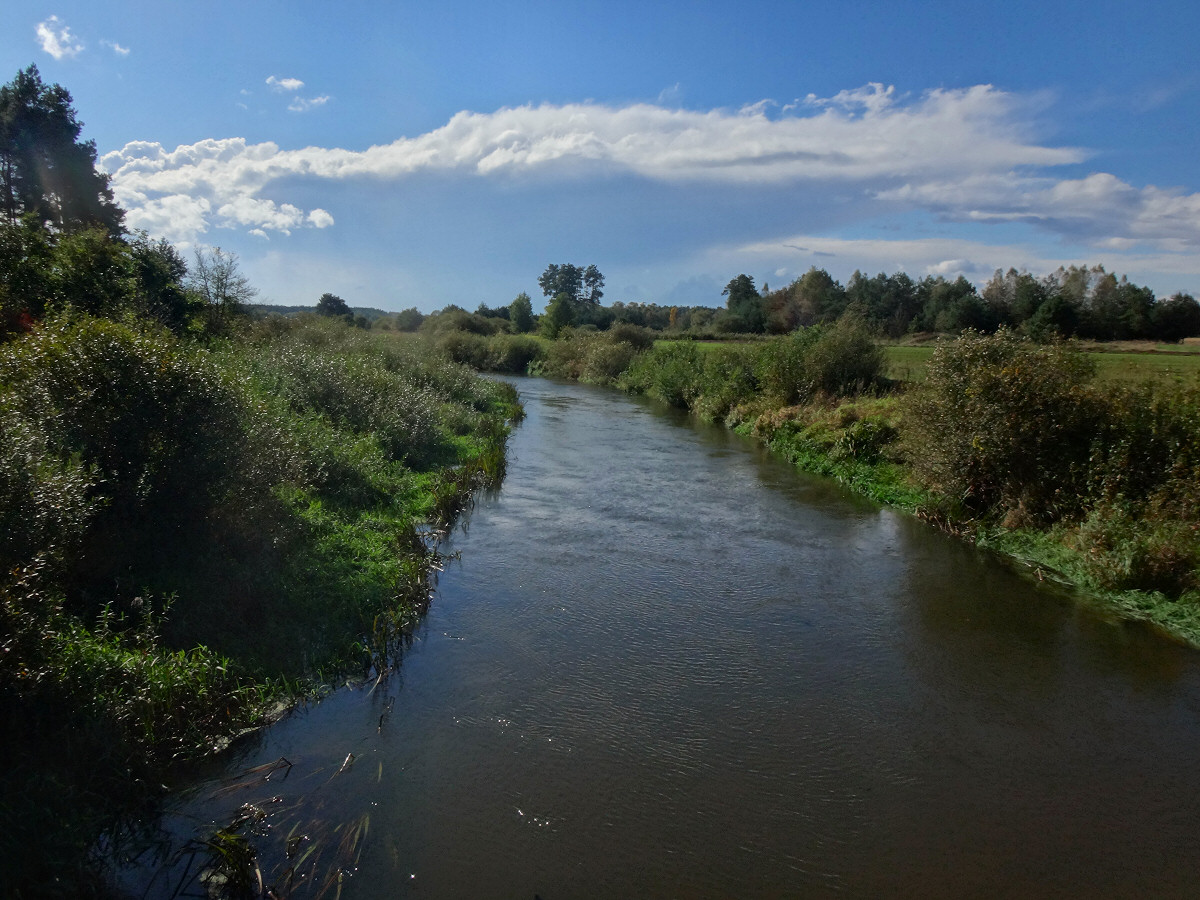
{"type": "Point", "coordinates": [669, 666]}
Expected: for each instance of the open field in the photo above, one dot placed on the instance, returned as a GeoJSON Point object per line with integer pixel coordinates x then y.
{"type": "Point", "coordinates": [1125, 361]}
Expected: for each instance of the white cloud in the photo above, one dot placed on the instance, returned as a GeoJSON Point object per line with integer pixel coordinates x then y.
{"type": "Point", "coordinates": [116, 48]}
{"type": "Point", "coordinates": [284, 85]}
{"type": "Point", "coordinates": [57, 40]}
{"type": "Point", "coordinates": [302, 104]}
{"type": "Point", "coordinates": [872, 98]}
{"type": "Point", "coordinates": [963, 154]}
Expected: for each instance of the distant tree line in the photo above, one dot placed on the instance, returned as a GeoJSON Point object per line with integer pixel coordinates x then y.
{"type": "Point", "coordinates": [1078, 301]}
{"type": "Point", "coordinates": [1071, 302]}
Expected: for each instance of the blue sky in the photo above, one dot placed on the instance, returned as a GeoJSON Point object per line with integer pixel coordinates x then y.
{"type": "Point", "coordinates": [415, 154]}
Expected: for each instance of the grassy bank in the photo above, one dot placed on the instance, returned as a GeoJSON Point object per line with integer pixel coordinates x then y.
{"type": "Point", "coordinates": [1070, 460]}
{"type": "Point", "coordinates": [194, 530]}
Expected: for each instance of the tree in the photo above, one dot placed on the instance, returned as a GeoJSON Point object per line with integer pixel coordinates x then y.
{"type": "Point", "coordinates": [159, 273]}
{"type": "Point", "coordinates": [744, 304]}
{"type": "Point", "coordinates": [593, 281]}
{"type": "Point", "coordinates": [409, 319]}
{"type": "Point", "coordinates": [45, 170]}
{"type": "Point", "coordinates": [219, 285]}
{"type": "Point", "coordinates": [1177, 318]}
{"type": "Point", "coordinates": [579, 284]}
{"type": "Point", "coordinates": [26, 251]}
{"type": "Point", "coordinates": [560, 313]}
{"type": "Point", "coordinates": [332, 305]}
{"type": "Point", "coordinates": [92, 272]}
{"type": "Point", "coordinates": [561, 279]}
{"type": "Point", "coordinates": [520, 313]}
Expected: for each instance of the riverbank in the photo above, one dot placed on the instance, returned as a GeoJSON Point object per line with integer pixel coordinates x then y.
{"type": "Point", "coordinates": [1023, 448]}
{"type": "Point", "coordinates": [196, 530]}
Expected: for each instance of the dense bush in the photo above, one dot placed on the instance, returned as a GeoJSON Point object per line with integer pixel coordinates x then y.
{"type": "Point", "coordinates": [842, 359]}
{"type": "Point", "coordinates": [507, 353]}
{"type": "Point", "coordinates": [1000, 423]}
{"type": "Point", "coordinates": [726, 378]}
{"type": "Point", "coordinates": [605, 360]}
{"type": "Point", "coordinates": [668, 373]}
{"type": "Point", "coordinates": [119, 443]}
{"type": "Point", "coordinates": [512, 353]}
{"type": "Point", "coordinates": [636, 336]}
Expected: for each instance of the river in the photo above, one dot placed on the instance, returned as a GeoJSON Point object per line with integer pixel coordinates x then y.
{"type": "Point", "coordinates": [667, 665]}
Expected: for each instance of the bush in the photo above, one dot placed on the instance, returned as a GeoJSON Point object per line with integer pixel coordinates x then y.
{"type": "Point", "coordinates": [512, 353]}
{"type": "Point", "coordinates": [603, 362]}
{"type": "Point", "coordinates": [465, 348]}
{"type": "Point", "coordinates": [1003, 424]}
{"type": "Point", "coordinates": [669, 373]}
{"type": "Point", "coordinates": [783, 367]}
{"type": "Point", "coordinates": [844, 360]}
{"type": "Point", "coordinates": [46, 500]}
{"type": "Point", "coordinates": [1149, 448]}
{"type": "Point", "coordinates": [120, 442]}
{"type": "Point", "coordinates": [726, 378]}
{"type": "Point", "coordinates": [838, 360]}
{"type": "Point", "coordinates": [636, 336]}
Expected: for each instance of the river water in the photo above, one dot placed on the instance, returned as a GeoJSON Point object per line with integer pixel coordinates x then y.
{"type": "Point", "coordinates": [667, 665]}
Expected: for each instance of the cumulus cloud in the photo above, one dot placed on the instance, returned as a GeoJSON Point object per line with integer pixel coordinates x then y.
{"type": "Point", "coordinates": [948, 257]}
{"type": "Point", "coordinates": [965, 154]}
{"type": "Point", "coordinates": [284, 85]}
{"type": "Point", "coordinates": [1099, 208]}
{"type": "Point", "coordinates": [116, 48]}
{"type": "Point", "coordinates": [57, 40]}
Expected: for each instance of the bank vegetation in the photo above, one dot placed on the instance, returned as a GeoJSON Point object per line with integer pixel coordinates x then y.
{"type": "Point", "coordinates": [1007, 441]}
{"type": "Point", "coordinates": [203, 516]}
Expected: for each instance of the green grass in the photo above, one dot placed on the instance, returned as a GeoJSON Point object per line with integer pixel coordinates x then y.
{"type": "Point", "coordinates": [1142, 366]}
{"type": "Point", "coordinates": [904, 363]}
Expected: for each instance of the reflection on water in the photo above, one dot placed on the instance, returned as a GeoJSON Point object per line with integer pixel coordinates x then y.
{"type": "Point", "coordinates": [667, 665]}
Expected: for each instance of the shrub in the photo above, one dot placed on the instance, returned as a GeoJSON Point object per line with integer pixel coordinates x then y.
{"type": "Point", "coordinates": [603, 362]}
{"type": "Point", "coordinates": [118, 441]}
{"type": "Point", "coordinates": [844, 360]}
{"type": "Point", "coordinates": [465, 348]}
{"type": "Point", "coordinates": [1149, 448]}
{"type": "Point", "coordinates": [726, 378]}
{"type": "Point", "coordinates": [635, 335]}
{"type": "Point", "coordinates": [512, 353]}
{"type": "Point", "coordinates": [783, 366]}
{"type": "Point", "coordinates": [669, 373]}
{"type": "Point", "coordinates": [839, 360]}
{"type": "Point", "coordinates": [1000, 423]}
